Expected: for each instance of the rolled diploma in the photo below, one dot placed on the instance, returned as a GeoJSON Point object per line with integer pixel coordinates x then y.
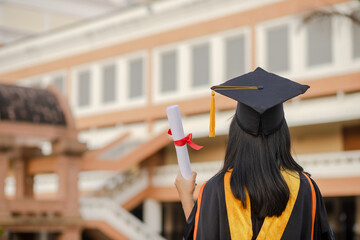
{"type": "Point", "coordinates": [174, 118]}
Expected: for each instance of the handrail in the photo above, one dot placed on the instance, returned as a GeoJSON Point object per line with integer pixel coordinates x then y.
{"type": "Point", "coordinates": [108, 210]}
{"type": "Point", "coordinates": [123, 187]}
{"type": "Point", "coordinates": [329, 157]}
{"type": "Point", "coordinates": [35, 206]}
{"type": "Point", "coordinates": [332, 164]}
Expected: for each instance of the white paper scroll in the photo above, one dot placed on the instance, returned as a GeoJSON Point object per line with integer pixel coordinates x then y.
{"type": "Point", "coordinates": [177, 130]}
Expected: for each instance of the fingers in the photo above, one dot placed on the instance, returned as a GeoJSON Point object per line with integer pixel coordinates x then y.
{"type": "Point", "coordinates": [193, 175]}
{"type": "Point", "coordinates": [180, 180]}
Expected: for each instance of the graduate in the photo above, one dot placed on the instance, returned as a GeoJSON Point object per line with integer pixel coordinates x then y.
{"type": "Point", "coordinates": [261, 192]}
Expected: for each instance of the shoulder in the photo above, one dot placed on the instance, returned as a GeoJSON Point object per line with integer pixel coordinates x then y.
{"type": "Point", "coordinates": [309, 183]}
{"type": "Point", "coordinates": [306, 181]}
{"type": "Point", "coordinates": [214, 186]}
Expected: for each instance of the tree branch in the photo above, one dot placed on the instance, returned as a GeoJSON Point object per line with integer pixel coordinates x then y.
{"type": "Point", "coordinates": [353, 16]}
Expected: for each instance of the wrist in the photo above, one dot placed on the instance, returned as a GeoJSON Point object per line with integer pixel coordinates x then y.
{"type": "Point", "coordinates": [186, 196]}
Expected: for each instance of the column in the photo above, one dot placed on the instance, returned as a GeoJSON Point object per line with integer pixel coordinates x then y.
{"type": "Point", "coordinates": [43, 235]}
{"type": "Point", "coordinates": [357, 218]}
{"type": "Point", "coordinates": [23, 181]}
{"type": "Point", "coordinates": [61, 171]}
{"type": "Point", "coordinates": [72, 196]}
{"type": "Point", "coordinates": [29, 186]}
{"type": "Point", "coordinates": [73, 233]}
{"type": "Point", "coordinates": [67, 170]}
{"type": "Point", "coordinates": [168, 220]}
{"type": "Point", "coordinates": [153, 214]}
{"type": "Point", "coordinates": [4, 166]}
{"type": "Point", "coordinates": [68, 152]}
{"type": "Point", "coordinates": [337, 225]}
{"type": "Point", "coordinates": [19, 174]}
{"type": "Point", "coordinates": [27, 153]}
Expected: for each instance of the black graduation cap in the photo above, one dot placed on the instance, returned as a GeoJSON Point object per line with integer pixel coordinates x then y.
{"type": "Point", "coordinates": [260, 95]}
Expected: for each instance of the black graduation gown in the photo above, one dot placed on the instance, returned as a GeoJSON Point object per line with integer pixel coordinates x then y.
{"type": "Point", "coordinates": [209, 218]}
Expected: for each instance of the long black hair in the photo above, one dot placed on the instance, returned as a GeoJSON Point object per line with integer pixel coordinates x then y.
{"type": "Point", "coordinates": [256, 164]}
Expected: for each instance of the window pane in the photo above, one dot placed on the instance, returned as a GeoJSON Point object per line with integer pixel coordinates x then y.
{"type": "Point", "coordinates": [168, 71]}
{"type": "Point", "coordinates": [84, 89]}
{"type": "Point", "coordinates": [319, 50]}
{"type": "Point", "coordinates": [109, 84]}
{"type": "Point", "coordinates": [356, 39]}
{"type": "Point", "coordinates": [136, 76]}
{"type": "Point", "coordinates": [235, 56]}
{"type": "Point", "coordinates": [201, 66]}
{"type": "Point", "coordinates": [35, 84]}
{"type": "Point", "coordinates": [59, 83]}
{"type": "Point", "coordinates": [277, 49]}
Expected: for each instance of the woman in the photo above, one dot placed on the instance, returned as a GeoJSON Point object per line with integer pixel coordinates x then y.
{"type": "Point", "coordinates": [261, 192]}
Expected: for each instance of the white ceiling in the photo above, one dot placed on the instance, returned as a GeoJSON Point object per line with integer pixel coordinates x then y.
{"type": "Point", "coordinates": [75, 9]}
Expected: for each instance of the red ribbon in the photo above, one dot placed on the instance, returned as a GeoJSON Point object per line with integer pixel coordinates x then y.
{"type": "Point", "coordinates": [186, 140]}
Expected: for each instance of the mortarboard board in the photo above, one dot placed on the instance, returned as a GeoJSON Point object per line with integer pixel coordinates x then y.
{"type": "Point", "coordinates": [260, 95]}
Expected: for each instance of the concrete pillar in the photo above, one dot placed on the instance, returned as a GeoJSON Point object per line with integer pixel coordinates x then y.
{"type": "Point", "coordinates": [153, 214]}
{"type": "Point", "coordinates": [168, 220]}
{"type": "Point", "coordinates": [61, 171]}
{"type": "Point", "coordinates": [337, 225]}
{"type": "Point", "coordinates": [19, 173]}
{"type": "Point", "coordinates": [4, 166]}
{"type": "Point", "coordinates": [29, 186]}
{"type": "Point", "coordinates": [67, 170]}
{"type": "Point", "coordinates": [357, 218]}
{"type": "Point", "coordinates": [73, 233]}
{"type": "Point", "coordinates": [43, 235]}
{"type": "Point", "coordinates": [72, 193]}
{"type": "Point", "coordinates": [24, 182]}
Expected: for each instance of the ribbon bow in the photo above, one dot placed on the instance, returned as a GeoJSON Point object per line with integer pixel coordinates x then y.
{"type": "Point", "coordinates": [186, 140]}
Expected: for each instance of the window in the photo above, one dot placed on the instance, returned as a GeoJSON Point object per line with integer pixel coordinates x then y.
{"type": "Point", "coordinates": [136, 76]}
{"type": "Point", "coordinates": [109, 83]}
{"type": "Point", "coordinates": [168, 71]}
{"type": "Point", "coordinates": [356, 39]}
{"type": "Point", "coordinates": [319, 42]}
{"type": "Point", "coordinates": [200, 65]}
{"type": "Point", "coordinates": [84, 80]}
{"type": "Point", "coordinates": [36, 83]}
{"type": "Point", "coordinates": [235, 56]}
{"type": "Point", "coordinates": [59, 83]}
{"type": "Point", "coordinates": [277, 48]}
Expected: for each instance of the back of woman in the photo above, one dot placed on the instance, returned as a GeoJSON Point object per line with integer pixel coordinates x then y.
{"type": "Point", "coordinates": [261, 192]}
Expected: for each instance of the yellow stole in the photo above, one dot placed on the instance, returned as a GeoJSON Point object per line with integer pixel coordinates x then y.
{"type": "Point", "coordinates": [240, 218]}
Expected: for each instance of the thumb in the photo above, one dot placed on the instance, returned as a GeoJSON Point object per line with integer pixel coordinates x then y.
{"type": "Point", "coordinates": [193, 175]}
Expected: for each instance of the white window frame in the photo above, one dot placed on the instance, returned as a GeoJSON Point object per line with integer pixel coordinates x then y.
{"type": "Point", "coordinates": [333, 50]}
{"type": "Point", "coordinates": [184, 65]}
{"type": "Point", "coordinates": [261, 42]}
{"type": "Point", "coordinates": [236, 32]}
{"type": "Point", "coordinates": [28, 82]}
{"type": "Point", "coordinates": [100, 66]}
{"type": "Point", "coordinates": [178, 94]}
{"type": "Point", "coordinates": [49, 78]}
{"type": "Point", "coordinates": [189, 45]}
{"type": "Point", "coordinates": [354, 63]}
{"type": "Point", "coordinates": [342, 61]}
{"type": "Point", "coordinates": [92, 107]}
{"type": "Point", "coordinates": [139, 101]}
{"type": "Point", "coordinates": [122, 101]}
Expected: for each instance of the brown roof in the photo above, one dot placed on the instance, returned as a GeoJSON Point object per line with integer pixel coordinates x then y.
{"type": "Point", "coordinates": [31, 105]}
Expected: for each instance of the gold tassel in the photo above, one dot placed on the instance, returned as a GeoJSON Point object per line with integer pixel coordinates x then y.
{"type": "Point", "coordinates": [212, 115]}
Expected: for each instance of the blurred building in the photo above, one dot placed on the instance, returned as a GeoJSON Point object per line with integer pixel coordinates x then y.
{"type": "Point", "coordinates": [120, 71]}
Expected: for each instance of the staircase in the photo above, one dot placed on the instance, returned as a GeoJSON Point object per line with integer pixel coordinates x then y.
{"type": "Point", "coordinates": [108, 211]}
{"type": "Point", "coordinates": [104, 207]}
{"type": "Point", "coordinates": [124, 186]}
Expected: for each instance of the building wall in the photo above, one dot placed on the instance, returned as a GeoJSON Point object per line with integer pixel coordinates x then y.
{"type": "Point", "coordinates": [18, 21]}
{"type": "Point", "coordinates": [351, 135]}
{"type": "Point", "coordinates": [317, 139]}
{"type": "Point", "coordinates": [214, 150]}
